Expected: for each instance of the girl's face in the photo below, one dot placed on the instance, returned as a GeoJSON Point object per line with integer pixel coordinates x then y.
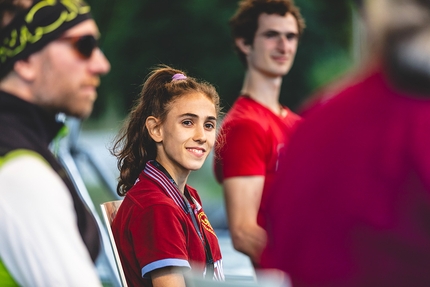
{"type": "Point", "coordinates": [187, 136]}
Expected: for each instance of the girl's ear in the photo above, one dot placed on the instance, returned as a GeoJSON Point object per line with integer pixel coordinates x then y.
{"type": "Point", "coordinates": [240, 43]}
{"type": "Point", "coordinates": [154, 128]}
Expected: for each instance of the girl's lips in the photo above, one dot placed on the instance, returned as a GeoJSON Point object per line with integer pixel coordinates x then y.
{"type": "Point", "coordinates": [197, 151]}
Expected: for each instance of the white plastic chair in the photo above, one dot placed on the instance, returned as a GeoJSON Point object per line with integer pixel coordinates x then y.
{"type": "Point", "coordinates": [109, 210]}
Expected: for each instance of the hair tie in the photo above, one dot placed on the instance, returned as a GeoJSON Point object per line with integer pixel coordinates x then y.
{"type": "Point", "coordinates": [178, 76]}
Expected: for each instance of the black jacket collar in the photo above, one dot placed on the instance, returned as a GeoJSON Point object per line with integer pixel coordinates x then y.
{"type": "Point", "coordinates": [23, 124]}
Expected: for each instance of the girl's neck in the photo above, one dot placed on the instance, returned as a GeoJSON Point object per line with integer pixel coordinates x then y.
{"type": "Point", "coordinates": [181, 185]}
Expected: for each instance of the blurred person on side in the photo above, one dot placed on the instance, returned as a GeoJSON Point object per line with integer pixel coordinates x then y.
{"type": "Point", "coordinates": [49, 64]}
{"type": "Point", "coordinates": [351, 204]}
{"type": "Point", "coordinates": [161, 228]}
{"type": "Point", "coordinates": [257, 128]}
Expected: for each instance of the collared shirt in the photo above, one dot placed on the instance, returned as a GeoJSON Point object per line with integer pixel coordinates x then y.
{"type": "Point", "coordinates": [154, 229]}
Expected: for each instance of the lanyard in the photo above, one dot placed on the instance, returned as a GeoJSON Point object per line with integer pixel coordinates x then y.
{"type": "Point", "coordinates": [200, 232]}
{"type": "Point", "coordinates": [209, 259]}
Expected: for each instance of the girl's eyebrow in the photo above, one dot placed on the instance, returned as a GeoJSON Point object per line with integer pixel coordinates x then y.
{"type": "Point", "coordinates": [191, 115]}
{"type": "Point", "coordinates": [188, 115]}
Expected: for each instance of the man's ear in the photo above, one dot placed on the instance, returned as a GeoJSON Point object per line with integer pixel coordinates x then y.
{"type": "Point", "coordinates": [26, 69]}
{"type": "Point", "coordinates": [154, 128]}
{"type": "Point", "coordinates": [240, 43]}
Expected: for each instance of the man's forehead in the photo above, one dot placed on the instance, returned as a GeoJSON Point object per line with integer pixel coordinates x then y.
{"type": "Point", "coordinates": [87, 27]}
{"type": "Point", "coordinates": [276, 22]}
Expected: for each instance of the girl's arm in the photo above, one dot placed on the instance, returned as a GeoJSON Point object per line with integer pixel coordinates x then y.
{"type": "Point", "coordinates": [167, 277]}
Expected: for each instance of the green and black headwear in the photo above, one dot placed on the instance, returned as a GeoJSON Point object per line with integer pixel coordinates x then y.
{"type": "Point", "coordinates": [33, 29]}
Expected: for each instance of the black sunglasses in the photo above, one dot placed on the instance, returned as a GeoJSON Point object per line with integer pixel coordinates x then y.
{"type": "Point", "coordinates": [84, 45]}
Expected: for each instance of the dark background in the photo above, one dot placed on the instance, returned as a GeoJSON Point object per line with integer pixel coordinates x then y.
{"type": "Point", "coordinates": [194, 35]}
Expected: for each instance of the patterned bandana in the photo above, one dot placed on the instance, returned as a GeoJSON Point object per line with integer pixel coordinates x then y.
{"type": "Point", "coordinates": [43, 22]}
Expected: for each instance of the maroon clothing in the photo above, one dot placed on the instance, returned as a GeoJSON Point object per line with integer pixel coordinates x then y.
{"type": "Point", "coordinates": [251, 140]}
{"type": "Point", "coordinates": [153, 229]}
{"type": "Point", "coordinates": [351, 204]}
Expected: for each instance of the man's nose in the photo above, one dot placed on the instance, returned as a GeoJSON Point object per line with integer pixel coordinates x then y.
{"type": "Point", "coordinates": [99, 63]}
{"type": "Point", "coordinates": [282, 43]}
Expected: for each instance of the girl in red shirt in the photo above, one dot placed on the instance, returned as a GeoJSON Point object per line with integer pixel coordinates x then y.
{"type": "Point", "coordinates": [161, 229]}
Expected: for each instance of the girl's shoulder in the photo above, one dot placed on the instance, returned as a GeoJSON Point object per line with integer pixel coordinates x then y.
{"type": "Point", "coordinates": [147, 193]}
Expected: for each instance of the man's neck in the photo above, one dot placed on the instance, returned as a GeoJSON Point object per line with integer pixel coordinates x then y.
{"type": "Point", "coordinates": [16, 87]}
{"type": "Point", "coordinates": [263, 89]}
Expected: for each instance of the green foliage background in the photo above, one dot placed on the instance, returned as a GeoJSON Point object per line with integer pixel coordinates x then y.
{"type": "Point", "coordinates": [193, 35]}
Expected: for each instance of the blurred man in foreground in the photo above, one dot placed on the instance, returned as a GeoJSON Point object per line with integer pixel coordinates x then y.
{"type": "Point", "coordinates": [49, 64]}
{"type": "Point", "coordinates": [256, 130]}
{"type": "Point", "coordinates": [351, 204]}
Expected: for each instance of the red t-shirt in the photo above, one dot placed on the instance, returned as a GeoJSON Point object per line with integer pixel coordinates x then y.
{"type": "Point", "coordinates": [351, 204]}
{"type": "Point", "coordinates": [250, 142]}
{"type": "Point", "coordinates": [153, 229]}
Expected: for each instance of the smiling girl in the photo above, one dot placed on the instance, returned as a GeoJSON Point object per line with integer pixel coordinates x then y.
{"type": "Point", "coordinates": [161, 229]}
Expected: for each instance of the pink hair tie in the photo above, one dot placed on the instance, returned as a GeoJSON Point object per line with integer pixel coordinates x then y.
{"type": "Point", "coordinates": [178, 77]}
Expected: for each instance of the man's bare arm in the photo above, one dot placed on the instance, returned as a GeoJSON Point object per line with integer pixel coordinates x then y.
{"type": "Point", "coordinates": [243, 197]}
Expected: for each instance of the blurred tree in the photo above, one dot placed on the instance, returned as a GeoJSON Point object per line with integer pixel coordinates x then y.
{"type": "Point", "coordinates": [193, 35]}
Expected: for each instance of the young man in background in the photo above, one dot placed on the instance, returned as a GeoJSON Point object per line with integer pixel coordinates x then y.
{"type": "Point", "coordinates": [257, 128]}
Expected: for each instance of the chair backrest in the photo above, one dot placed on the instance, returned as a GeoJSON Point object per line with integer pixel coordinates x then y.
{"type": "Point", "coordinates": [109, 210]}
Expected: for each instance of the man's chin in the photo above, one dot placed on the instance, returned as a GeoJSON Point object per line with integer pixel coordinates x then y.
{"type": "Point", "coordinates": [80, 114]}
{"type": "Point", "coordinates": [284, 69]}
{"type": "Point", "coordinates": [278, 72]}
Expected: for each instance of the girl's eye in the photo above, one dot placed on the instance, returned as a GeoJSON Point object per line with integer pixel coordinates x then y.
{"type": "Point", "coordinates": [209, 126]}
{"type": "Point", "coordinates": [187, 123]}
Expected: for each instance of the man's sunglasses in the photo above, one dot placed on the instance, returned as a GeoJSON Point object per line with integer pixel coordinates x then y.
{"type": "Point", "coordinates": [84, 45]}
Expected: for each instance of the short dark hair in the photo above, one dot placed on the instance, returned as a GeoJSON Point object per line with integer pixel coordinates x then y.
{"type": "Point", "coordinates": [244, 22]}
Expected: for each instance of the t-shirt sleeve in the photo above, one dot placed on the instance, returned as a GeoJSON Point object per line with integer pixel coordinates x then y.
{"type": "Point", "coordinates": [241, 150]}
{"type": "Point", "coordinates": [159, 238]}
